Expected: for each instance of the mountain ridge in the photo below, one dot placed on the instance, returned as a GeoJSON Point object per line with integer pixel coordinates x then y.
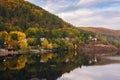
{"type": "Point", "coordinates": [104, 31]}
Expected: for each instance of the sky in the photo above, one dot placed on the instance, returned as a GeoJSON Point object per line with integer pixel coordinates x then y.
{"type": "Point", "coordinates": [89, 13]}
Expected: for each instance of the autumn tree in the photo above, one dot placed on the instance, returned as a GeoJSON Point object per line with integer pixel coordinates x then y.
{"type": "Point", "coordinates": [47, 45]}
{"type": "Point", "coordinates": [18, 39]}
{"type": "Point", "coordinates": [23, 45]}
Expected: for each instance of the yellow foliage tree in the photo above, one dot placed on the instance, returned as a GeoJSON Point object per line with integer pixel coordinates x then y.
{"type": "Point", "coordinates": [50, 46]}
{"type": "Point", "coordinates": [18, 37]}
{"type": "Point", "coordinates": [21, 36]}
{"type": "Point", "coordinates": [47, 45]}
{"type": "Point", "coordinates": [23, 45]}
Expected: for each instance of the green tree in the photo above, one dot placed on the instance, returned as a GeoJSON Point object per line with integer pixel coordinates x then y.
{"type": "Point", "coordinates": [31, 32]}
{"type": "Point", "coordinates": [31, 41]}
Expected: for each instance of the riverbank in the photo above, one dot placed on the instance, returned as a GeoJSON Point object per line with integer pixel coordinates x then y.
{"type": "Point", "coordinates": [97, 49]}
{"type": "Point", "coordinates": [4, 52]}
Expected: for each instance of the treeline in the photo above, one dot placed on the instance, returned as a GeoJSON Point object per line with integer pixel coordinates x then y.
{"type": "Point", "coordinates": [40, 38]}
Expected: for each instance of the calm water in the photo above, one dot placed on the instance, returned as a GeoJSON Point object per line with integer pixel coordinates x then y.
{"type": "Point", "coordinates": [55, 66]}
{"type": "Point", "coordinates": [104, 72]}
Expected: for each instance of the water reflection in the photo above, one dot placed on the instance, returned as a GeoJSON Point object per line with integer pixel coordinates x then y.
{"type": "Point", "coordinates": [48, 66]}
{"type": "Point", "coordinates": [106, 72]}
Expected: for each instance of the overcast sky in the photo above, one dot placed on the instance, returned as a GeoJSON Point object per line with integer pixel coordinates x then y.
{"type": "Point", "coordinates": [95, 13]}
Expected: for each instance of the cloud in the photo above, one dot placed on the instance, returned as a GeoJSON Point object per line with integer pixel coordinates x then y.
{"type": "Point", "coordinates": [106, 17]}
{"type": "Point", "coordinates": [96, 13]}
{"type": "Point", "coordinates": [94, 3]}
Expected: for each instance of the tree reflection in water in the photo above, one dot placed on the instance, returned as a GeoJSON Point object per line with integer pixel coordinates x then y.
{"type": "Point", "coordinates": [48, 66]}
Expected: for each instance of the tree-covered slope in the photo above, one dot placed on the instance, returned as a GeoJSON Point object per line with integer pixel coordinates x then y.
{"type": "Point", "coordinates": [103, 31]}
{"type": "Point", "coordinates": [24, 25]}
{"type": "Point", "coordinates": [20, 15]}
{"type": "Point", "coordinates": [108, 35]}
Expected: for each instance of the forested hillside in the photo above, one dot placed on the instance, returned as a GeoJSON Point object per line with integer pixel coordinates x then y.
{"type": "Point", "coordinates": [20, 15]}
{"type": "Point", "coordinates": [26, 26]}
{"type": "Point", "coordinates": [111, 36]}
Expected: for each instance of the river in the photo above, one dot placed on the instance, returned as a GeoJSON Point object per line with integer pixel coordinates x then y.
{"type": "Point", "coordinates": [58, 66]}
{"type": "Point", "coordinates": [97, 72]}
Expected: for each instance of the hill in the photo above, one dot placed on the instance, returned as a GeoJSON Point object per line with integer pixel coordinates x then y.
{"type": "Point", "coordinates": [103, 31]}
{"type": "Point", "coordinates": [24, 25]}
{"type": "Point", "coordinates": [20, 15]}
{"type": "Point", "coordinates": [112, 36]}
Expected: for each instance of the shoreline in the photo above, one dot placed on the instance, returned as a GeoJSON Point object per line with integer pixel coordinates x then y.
{"type": "Point", "coordinates": [98, 50]}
